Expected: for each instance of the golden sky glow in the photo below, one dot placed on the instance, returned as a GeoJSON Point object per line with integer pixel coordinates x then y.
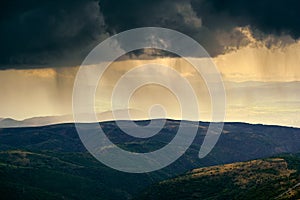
{"type": "Point", "coordinates": [268, 99]}
{"type": "Point", "coordinates": [261, 64]}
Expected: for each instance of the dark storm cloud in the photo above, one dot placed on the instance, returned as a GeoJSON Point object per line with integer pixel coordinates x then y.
{"type": "Point", "coordinates": [211, 22]}
{"type": "Point", "coordinates": [174, 14]}
{"type": "Point", "coordinates": [124, 15]}
{"type": "Point", "coordinates": [48, 33]}
{"type": "Point", "coordinates": [36, 33]}
{"type": "Point", "coordinates": [268, 16]}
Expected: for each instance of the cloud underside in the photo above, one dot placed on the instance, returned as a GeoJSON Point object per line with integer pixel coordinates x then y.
{"type": "Point", "coordinates": [54, 34]}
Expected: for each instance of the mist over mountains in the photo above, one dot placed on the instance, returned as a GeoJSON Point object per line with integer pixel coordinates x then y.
{"type": "Point", "coordinates": [49, 120]}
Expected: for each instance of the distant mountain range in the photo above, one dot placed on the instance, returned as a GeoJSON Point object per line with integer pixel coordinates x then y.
{"type": "Point", "coordinates": [50, 162]}
{"type": "Point", "coordinates": [49, 120]}
{"type": "Point", "coordinates": [36, 121]}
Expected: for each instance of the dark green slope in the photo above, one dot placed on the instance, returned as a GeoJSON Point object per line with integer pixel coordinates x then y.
{"type": "Point", "coordinates": [65, 176]}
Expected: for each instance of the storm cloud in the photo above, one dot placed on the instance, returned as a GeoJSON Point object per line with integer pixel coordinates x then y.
{"type": "Point", "coordinates": [60, 33]}
{"type": "Point", "coordinates": [271, 17]}
{"type": "Point", "coordinates": [48, 33]}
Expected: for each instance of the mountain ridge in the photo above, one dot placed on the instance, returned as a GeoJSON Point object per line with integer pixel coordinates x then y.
{"type": "Point", "coordinates": [68, 119]}
{"type": "Point", "coordinates": [60, 144]}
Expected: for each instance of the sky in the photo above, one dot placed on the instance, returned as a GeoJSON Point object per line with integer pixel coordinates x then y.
{"type": "Point", "coordinates": [254, 44]}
